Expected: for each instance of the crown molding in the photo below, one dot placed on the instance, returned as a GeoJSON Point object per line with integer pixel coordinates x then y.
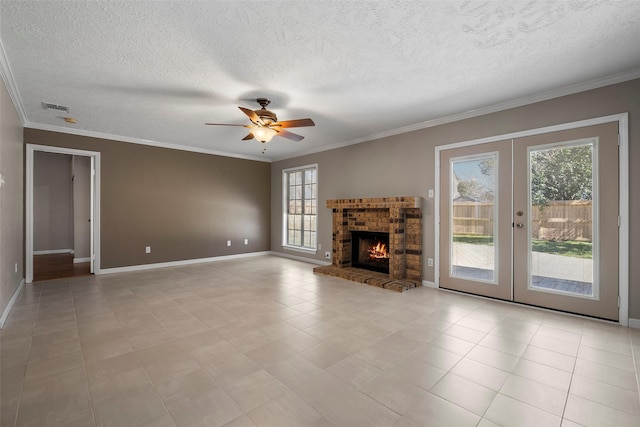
{"type": "Point", "coordinates": [10, 83]}
{"type": "Point", "coordinates": [120, 138]}
{"type": "Point", "coordinates": [515, 103]}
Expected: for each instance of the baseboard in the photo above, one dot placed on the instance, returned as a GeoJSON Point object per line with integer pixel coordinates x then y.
{"type": "Point", "coordinates": [428, 284]}
{"type": "Point", "coordinates": [300, 258]}
{"type": "Point", "coordinates": [178, 263]}
{"type": "Point", "coordinates": [634, 323]}
{"type": "Point", "coordinates": [54, 251]}
{"type": "Point", "coordinates": [12, 301]}
{"type": "Point", "coordinates": [79, 260]}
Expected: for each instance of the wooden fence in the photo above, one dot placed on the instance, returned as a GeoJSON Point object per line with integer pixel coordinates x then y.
{"type": "Point", "coordinates": [559, 220]}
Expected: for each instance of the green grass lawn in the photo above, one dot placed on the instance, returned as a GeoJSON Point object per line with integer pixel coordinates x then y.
{"type": "Point", "coordinates": [566, 248]}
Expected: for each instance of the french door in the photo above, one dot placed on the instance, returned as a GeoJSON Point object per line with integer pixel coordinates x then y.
{"type": "Point", "coordinates": [534, 220]}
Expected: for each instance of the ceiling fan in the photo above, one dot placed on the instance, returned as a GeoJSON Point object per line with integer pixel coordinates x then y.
{"type": "Point", "coordinates": [266, 125]}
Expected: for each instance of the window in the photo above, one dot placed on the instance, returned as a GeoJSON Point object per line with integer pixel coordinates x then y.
{"type": "Point", "coordinates": [300, 199]}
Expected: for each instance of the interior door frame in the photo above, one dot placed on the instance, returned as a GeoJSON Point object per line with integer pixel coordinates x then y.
{"type": "Point", "coordinates": [623, 207]}
{"type": "Point", "coordinates": [94, 199]}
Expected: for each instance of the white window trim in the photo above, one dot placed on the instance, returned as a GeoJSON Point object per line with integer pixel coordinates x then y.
{"type": "Point", "coordinates": [285, 192]}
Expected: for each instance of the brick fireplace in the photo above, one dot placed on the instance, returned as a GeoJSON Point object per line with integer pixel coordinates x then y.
{"type": "Point", "coordinates": [400, 217]}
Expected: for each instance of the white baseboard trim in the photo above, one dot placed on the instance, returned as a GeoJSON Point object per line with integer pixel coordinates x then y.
{"type": "Point", "coordinates": [634, 323]}
{"type": "Point", "coordinates": [178, 263]}
{"type": "Point", "coordinates": [54, 251]}
{"type": "Point", "coordinates": [428, 284]}
{"type": "Point", "coordinates": [78, 260]}
{"type": "Point", "coordinates": [300, 258]}
{"type": "Point", "coordinates": [12, 301]}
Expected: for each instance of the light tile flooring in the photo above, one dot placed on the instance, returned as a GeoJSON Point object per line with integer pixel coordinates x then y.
{"type": "Point", "coordinates": [264, 342]}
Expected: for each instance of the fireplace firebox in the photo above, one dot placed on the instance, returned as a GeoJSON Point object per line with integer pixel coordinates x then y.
{"type": "Point", "coordinates": [370, 251]}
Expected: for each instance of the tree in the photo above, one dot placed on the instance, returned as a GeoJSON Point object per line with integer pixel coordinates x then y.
{"type": "Point", "coordinates": [470, 188]}
{"type": "Point", "coordinates": [563, 173]}
{"type": "Point", "coordinates": [480, 188]}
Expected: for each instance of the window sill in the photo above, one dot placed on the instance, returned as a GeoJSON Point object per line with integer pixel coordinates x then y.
{"type": "Point", "coordinates": [300, 249]}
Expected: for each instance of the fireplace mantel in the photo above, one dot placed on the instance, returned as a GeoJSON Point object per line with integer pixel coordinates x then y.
{"type": "Point", "coordinates": [401, 217]}
{"type": "Point", "coordinates": [376, 203]}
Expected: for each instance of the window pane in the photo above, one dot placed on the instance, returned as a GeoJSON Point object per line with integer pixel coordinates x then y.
{"type": "Point", "coordinates": [297, 238]}
{"type": "Point", "coordinates": [301, 207]}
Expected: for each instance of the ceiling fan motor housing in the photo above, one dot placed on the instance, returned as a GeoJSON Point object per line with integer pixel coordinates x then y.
{"type": "Point", "coordinates": [267, 116]}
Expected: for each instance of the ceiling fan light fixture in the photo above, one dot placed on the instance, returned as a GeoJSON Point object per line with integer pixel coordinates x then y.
{"type": "Point", "coordinates": [263, 133]}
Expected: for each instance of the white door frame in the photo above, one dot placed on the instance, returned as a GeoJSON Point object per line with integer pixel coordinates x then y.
{"type": "Point", "coordinates": [623, 207]}
{"type": "Point", "coordinates": [95, 204]}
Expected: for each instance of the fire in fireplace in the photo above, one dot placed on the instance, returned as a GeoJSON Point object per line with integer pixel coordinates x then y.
{"type": "Point", "coordinates": [370, 251]}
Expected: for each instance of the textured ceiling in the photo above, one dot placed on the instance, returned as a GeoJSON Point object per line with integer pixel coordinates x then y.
{"type": "Point", "coordinates": [156, 71]}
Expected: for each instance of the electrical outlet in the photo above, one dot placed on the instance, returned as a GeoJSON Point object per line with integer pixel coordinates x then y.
{"type": "Point", "coordinates": [147, 249]}
{"type": "Point", "coordinates": [327, 255]}
{"type": "Point", "coordinates": [431, 193]}
{"type": "Point", "coordinates": [246, 241]}
{"type": "Point", "coordinates": [16, 267]}
{"type": "Point", "coordinates": [430, 262]}
{"type": "Point", "coordinates": [228, 242]}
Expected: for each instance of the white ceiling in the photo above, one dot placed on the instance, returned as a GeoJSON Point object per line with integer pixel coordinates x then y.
{"type": "Point", "coordinates": [155, 72]}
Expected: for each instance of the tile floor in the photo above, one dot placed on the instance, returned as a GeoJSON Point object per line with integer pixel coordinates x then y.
{"type": "Point", "coordinates": [265, 342]}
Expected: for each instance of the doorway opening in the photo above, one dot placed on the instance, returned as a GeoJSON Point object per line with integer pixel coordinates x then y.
{"type": "Point", "coordinates": [62, 212]}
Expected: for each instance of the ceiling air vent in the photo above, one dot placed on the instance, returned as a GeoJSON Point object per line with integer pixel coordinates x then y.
{"type": "Point", "coordinates": [55, 108]}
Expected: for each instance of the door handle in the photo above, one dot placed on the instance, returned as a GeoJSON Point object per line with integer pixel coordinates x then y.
{"type": "Point", "coordinates": [519, 225]}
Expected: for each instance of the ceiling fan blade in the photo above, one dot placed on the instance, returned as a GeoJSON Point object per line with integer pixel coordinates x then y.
{"type": "Point", "coordinates": [289, 135]}
{"type": "Point", "coordinates": [225, 124]}
{"type": "Point", "coordinates": [252, 116]}
{"type": "Point", "coordinates": [295, 123]}
{"type": "Point", "coordinates": [248, 137]}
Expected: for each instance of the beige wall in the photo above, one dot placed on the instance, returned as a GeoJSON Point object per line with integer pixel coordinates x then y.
{"type": "Point", "coordinates": [52, 202]}
{"type": "Point", "coordinates": [404, 164]}
{"type": "Point", "coordinates": [11, 199]}
{"type": "Point", "coordinates": [184, 205]}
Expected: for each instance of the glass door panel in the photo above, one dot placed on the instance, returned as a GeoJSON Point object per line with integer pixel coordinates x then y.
{"type": "Point", "coordinates": [472, 230]}
{"type": "Point", "coordinates": [475, 208]}
{"type": "Point", "coordinates": [561, 201]}
{"type": "Point", "coordinates": [565, 241]}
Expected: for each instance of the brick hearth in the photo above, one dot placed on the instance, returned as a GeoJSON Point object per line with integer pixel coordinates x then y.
{"type": "Point", "coordinates": [401, 217]}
